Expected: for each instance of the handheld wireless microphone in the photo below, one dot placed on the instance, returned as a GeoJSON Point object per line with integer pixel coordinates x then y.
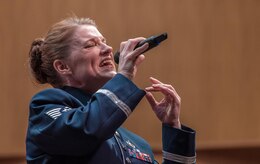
{"type": "Point", "coordinates": [153, 41]}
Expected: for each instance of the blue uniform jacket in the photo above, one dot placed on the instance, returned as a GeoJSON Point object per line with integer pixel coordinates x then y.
{"type": "Point", "coordinates": [67, 125]}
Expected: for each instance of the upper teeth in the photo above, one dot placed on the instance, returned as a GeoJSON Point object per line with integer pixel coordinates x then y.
{"type": "Point", "coordinates": [105, 62]}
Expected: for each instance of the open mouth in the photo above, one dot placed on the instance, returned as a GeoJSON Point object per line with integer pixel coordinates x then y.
{"type": "Point", "coordinates": [106, 62]}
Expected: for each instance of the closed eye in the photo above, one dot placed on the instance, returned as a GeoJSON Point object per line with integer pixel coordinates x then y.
{"type": "Point", "coordinates": [94, 42]}
{"type": "Point", "coordinates": [90, 43]}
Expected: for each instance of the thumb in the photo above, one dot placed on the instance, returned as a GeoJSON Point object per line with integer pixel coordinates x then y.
{"type": "Point", "coordinates": [150, 98]}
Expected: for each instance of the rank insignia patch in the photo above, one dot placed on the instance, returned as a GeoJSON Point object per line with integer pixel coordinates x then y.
{"type": "Point", "coordinates": [136, 153]}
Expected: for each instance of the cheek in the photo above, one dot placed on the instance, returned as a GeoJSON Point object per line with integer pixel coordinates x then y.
{"type": "Point", "coordinates": [85, 67]}
{"type": "Point", "coordinates": [81, 65]}
{"type": "Point", "coordinates": [84, 63]}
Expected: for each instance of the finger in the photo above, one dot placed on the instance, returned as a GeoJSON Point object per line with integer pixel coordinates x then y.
{"type": "Point", "coordinates": [122, 45]}
{"type": "Point", "coordinates": [154, 88]}
{"type": "Point", "coordinates": [132, 54]}
{"type": "Point", "coordinates": [150, 89]}
{"type": "Point", "coordinates": [167, 90]}
{"type": "Point", "coordinates": [139, 60]}
{"type": "Point", "coordinates": [130, 44]}
{"type": "Point", "coordinates": [133, 42]}
{"type": "Point", "coordinates": [138, 51]}
{"type": "Point", "coordinates": [125, 47]}
{"type": "Point", "coordinates": [151, 99]}
{"type": "Point", "coordinates": [165, 85]}
{"type": "Point", "coordinates": [155, 81]}
{"type": "Point", "coordinates": [164, 90]}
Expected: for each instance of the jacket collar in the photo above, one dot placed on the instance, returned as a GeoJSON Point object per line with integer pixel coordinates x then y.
{"type": "Point", "coordinates": [78, 93]}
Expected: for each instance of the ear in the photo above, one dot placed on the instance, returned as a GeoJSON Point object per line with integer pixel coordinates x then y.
{"type": "Point", "coordinates": [61, 67]}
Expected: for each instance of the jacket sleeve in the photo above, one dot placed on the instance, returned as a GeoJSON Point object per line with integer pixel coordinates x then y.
{"type": "Point", "coordinates": [60, 125]}
{"type": "Point", "coordinates": [178, 145]}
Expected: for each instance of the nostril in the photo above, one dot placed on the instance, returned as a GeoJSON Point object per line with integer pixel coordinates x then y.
{"type": "Point", "coordinates": [107, 50]}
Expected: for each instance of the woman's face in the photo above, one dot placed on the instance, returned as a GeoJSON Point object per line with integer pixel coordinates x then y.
{"type": "Point", "coordinates": [91, 59]}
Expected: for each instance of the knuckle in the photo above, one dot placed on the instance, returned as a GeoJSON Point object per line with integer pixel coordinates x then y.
{"type": "Point", "coordinates": [122, 44]}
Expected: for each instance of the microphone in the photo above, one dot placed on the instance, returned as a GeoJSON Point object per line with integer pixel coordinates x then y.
{"type": "Point", "coordinates": [153, 41]}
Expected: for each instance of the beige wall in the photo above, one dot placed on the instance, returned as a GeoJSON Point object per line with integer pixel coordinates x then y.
{"type": "Point", "coordinates": [211, 57]}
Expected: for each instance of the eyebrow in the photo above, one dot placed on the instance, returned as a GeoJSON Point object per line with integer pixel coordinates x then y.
{"type": "Point", "coordinates": [95, 39]}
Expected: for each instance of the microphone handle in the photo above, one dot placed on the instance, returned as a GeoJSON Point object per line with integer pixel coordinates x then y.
{"type": "Point", "coordinates": [153, 41]}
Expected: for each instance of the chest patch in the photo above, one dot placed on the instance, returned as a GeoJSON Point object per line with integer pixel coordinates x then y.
{"type": "Point", "coordinates": [136, 153]}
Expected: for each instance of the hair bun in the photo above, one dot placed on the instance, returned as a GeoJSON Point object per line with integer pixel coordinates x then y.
{"type": "Point", "coordinates": [36, 47]}
{"type": "Point", "coordinates": [35, 56]}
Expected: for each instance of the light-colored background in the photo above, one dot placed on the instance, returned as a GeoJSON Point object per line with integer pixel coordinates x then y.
{"type": "Point", "coordinates": [211, 57]}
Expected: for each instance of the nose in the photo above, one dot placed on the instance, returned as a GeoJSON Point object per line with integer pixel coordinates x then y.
{"type": "Point", "coordinates": [106, 49]}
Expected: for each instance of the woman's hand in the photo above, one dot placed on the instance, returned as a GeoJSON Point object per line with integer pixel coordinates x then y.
{"type": "Point", "coordinates": [167, 109]}
{"type": "Point", "coordinates": [129, 58]}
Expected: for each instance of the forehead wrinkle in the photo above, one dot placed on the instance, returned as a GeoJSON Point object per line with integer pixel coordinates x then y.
{"type": "Point", "coordinates": [86, 33]}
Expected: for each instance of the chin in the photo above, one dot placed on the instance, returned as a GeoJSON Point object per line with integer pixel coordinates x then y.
{"type": "Point", "coordinates": [108, 75]}
{"type": "Point", "coordinates": [112, 74]}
